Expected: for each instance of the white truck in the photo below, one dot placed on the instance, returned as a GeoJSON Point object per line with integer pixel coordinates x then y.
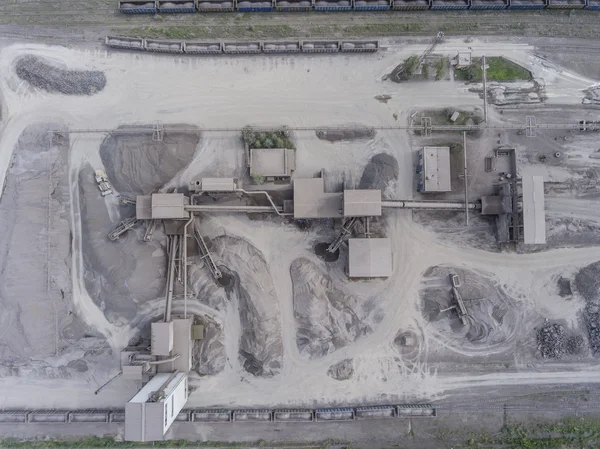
{"type": "Point", "coordinates": [103, 184]}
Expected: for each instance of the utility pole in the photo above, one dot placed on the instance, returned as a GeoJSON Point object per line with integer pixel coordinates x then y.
{"type": "Point", "coordinates": [484, 75]}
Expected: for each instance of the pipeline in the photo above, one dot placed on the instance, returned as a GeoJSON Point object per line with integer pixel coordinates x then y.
{"type": "Point", "coordinates": [243, 209]}
{"type": "Point", "coordinates": [439, 205]}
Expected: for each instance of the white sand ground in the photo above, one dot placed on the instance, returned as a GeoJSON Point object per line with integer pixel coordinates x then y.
{"type": "Point", "coordinates": [296, 91]}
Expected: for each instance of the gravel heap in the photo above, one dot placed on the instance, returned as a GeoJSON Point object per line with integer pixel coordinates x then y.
{"type": "Point", "coordinates": [592, 322]}
{"type": "Point", "coordinates": [575, 344]}
{"type": "Point", "coordinates": [342, 370]}
{"type": "Point", "coordinates": [551, 341]}
{"type": "Point", "coordinates": [53, 79]}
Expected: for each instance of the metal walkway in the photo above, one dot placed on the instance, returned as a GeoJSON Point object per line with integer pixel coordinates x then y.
{"type": "Point", "coordinates": [432, 205]}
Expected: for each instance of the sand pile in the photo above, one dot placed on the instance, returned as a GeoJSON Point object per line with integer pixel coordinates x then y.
{"type": "Point", "coordinates": [209, 353]}
{"type": "Point", "coordinates": [251, 288]}
{"type": "Point", "coordinates": [136, 165]}
{"type": "Point", "coordinates": [42, 75]}
{"type": "Point", "coordinates": [326, 318]}
{"type": "Point", "coordinates": [118, 275]}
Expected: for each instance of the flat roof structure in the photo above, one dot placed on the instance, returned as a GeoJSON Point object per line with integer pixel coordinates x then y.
{"type": "Point", "coordinates": [362, 203]}
{"type": "Point", "coordinates": [143, 207]}
{"type": "Point", "coordinates": [434, 168]}
{"type": "Point", "coordinates": [534, 212]}
{"type": "Point", "coordinates": [148, 419]}
{"type": "Point", "coordinates": [168, 206]}
{"type": "Point", "coordinates": [217, 185]}
{"type": "Point", "coordinates": [369, 257]}
{"type": "Point", "coordinates": [182, 345]}
{"type": "Point", "coordinates": [311, 201]}
{"type": "Point", "coordinates": [272, 162]}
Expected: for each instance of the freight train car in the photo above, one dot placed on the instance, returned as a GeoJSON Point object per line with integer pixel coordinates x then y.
{"type": "Point", "coordinates": [174, 6]}
{"type": "Point", "coordinates": [410, 5]}
{"type": "Point", "coordinates": [202, 48]}
{"type": "Point", "coordinates": [592, 4]}
{"type": "Point", "coordinates": [359, 46]}
{"type": "Point", "coordinates": [216, 5]}
{"type": "Point", "coordinates": [527, 4]}
{"type": "Point", "coordinates": [372, 5]}
{"type": "Point", "coordinates": [242, 47]}
{"type": "Point", "coordinates": [126, 43]}
{"type": "Point", "coordinates": [333, 5]}
{"type": "Point", "coordinates": [282, 46]}
{"type": "Point", "coordinates": [450, 4]}
{"type": "Point", "coordinates": [320, 46]}
{"type": "Point", "coordinates": [293, 5]}
{"type": "Point", "coordinates": [164, 46]}
{"type": "Point", "coordinates": [255, 5]}
{"type": "Point", "coordinates": [566, 4]}
{"type": "Point", "coordinates": [489, 4]}
{"type": "Point", "coordinates": [138, 6]}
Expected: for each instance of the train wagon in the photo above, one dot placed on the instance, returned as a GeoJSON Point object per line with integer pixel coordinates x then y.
{"type": "Point", "coordinates": [215, 6]}
{"type": "Point", "coordinates": [255, 5]}
{"type": "Point", "coordinates": [527, 4]}
{"type": "Point", "coordinates": [293, 415]}
{"type": "Point", "coordinates": [173, 6]}
{"type": "Point", "coordinates": [333, 5]}
{"type": "Point", "coordinates": [359, 46]}
{"type": "Point", "coordinates": [450, 4]}
{"type": "Point", "coordinates": [127, 43]}
{"type": "Point", "coordinates": [281, 46]}
{"type": "Point", "coordinates": [320, 46]}
{"type": "Point", "coordinates": [592, 4]}
{"type": "Point", "coordinates": [211, 415]}
{"type": "Point", "coordinates": [375, 412]}
{"type": "Point", "coordinates": [138, 6]}
{"type": "Point", "coordinates": [293, 5]}
{"type": "Point", "coordinates": [253, 415]}
{"type": "Point", "coordinates": [164, 46]}
{"type": "Point", "coordinates": [410, 5]}
{"type": "Point", "coordinates": [202, 48]}
{"type": "Point", "coordinates": [489, 4]}
{"type": "Point", "coordinates": [334, 414]}
{"type": "Point", "coordinates": [566, 4]}
{"type": "Point", "coordinates": [242, 47]}
{"type": "Point", "coordinates": [372, 5]}
{"type": "Point", "coordinates": [416, 411]}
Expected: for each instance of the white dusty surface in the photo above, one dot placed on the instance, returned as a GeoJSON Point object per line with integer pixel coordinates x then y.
{"type": "Point", "coordinates": [295, 91]}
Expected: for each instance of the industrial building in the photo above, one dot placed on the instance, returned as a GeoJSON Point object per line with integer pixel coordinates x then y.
{"type": "Point", "coordinates": [150, 413]}
{"type": "Point", "coordinates": [272, 163]}
{"type": "Point", "coordinates": [311, 201]}
{"type": "Point", "coordinates": [433, 169]}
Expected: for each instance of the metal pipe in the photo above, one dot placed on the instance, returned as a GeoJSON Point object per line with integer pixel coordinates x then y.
{"type": "Point", "coordinates": [158, 362]}
{"type": "Point", "coordinates": [185, 263]}
{"type": "Point", "coordinates": [108, 382]}
{"type": "Point", "coordinates": [244, 209]}
{"type": "Point", "coordinates": [258, 192]}
{"type": "Point", "coordinates": [450, 205]}
{"type": "Point", "coordinates": [465, 178]}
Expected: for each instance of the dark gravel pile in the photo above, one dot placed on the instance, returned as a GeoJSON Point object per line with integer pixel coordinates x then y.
{"type": "Point", "coordinates": [575, 344]}
{"type": "Point", "coordinates": [592, 322]}
{"type": "Point", "coordinates": [53, 79]}
{"type": "Point", "coordinates": [551, 341]}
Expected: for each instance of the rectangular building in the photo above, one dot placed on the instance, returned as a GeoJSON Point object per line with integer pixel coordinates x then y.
{"type": "Point", "coordinates": [150, 413]}
{"type": "Point", "coordinates": [534, 211]}
{"type": "Point", "coordinates": [433, 168]}
{"type": "Point", "coordinates": [369, 257]}
{"type": "Point", "coordinates": [362, 203]}
{"type": "Point", "coordinates": [168, 206]}
{"type": "Point", "coordinates": [272, 162]}
{"type": "Point", "coordinates": [311, 201]}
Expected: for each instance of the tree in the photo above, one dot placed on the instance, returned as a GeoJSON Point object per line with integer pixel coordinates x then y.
{"type": "Point", "coordinates": [411, 65]}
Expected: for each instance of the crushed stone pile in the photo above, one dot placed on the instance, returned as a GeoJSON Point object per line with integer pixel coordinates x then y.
{"type": "Point", "coordinates": [552, 341]}
{"type": "Point", "coordinates": [342, 370]}
{"type": "Point", "coordinates": [56, 80]}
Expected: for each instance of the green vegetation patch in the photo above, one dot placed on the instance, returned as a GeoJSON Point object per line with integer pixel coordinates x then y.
{"type": "Point", "coordinates": [499, 69]}
{"type": "Point", "coordinates": [272, 139]}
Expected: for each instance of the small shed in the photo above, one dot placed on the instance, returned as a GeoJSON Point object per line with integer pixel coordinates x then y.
{"type": "Point", "coordinates": [434, 169]}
